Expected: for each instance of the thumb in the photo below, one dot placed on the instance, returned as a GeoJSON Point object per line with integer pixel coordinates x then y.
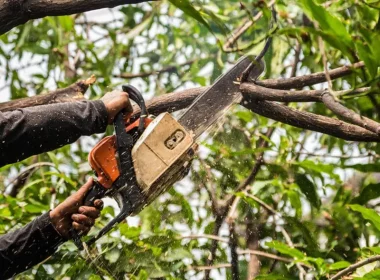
{"type": "Point", "coordinates": [85, 188]}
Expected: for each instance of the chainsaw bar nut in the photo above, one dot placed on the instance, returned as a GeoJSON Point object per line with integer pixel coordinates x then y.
{"type": "Point", "coordinates": [174, 139]}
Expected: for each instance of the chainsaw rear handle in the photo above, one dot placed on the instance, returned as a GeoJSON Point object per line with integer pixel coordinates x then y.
{"type": "Point", "coordinates": [124, 143]}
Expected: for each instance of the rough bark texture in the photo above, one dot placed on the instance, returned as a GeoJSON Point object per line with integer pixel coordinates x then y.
{"type": "Point", "coordinates": [309, 80]}
{"type": "Point", "coordinates": [16, 12]}
{"type": "Point", "coordinates": [72, 93]}
{"type": "Point", "coordinates": [311, 121]}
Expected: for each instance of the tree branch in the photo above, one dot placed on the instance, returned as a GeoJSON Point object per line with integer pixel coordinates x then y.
{"type": "Point", "coordinates": [349, 115]}
{"type": "Point", "coordinates": [234, 255]}
{"type": "Point", "coordinates": [16, 12]}
{"type": "Point", "coordinates": [72, 93]}
{"type": "Point", "coordinates": [309, 80]}
{"type": "Point", "coordinates": [353, 267]}
{"type": "Point", "coordinates": [310, 121]}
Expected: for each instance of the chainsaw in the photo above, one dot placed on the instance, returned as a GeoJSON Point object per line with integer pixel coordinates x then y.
{"type": "Point", "coordinates": [144, 158]}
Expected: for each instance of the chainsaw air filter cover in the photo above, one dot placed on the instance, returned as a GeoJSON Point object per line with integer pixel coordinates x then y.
{"type": "Point", "coordinates": [161, 153]}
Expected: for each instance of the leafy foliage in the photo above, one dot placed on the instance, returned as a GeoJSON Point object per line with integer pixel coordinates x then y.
{"type": "Point", "coordinates": [322, 191]}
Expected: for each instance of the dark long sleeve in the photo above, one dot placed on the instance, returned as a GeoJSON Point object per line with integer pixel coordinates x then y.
{"type": "Point", "coordinates": [30, 131]}
{"type": "Point", "coordinates": [28, 246]}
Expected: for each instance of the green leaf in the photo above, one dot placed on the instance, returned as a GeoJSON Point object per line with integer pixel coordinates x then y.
{"type": "Point", "coordinates": [286, 250]}
{"type": "Point", "coordinates": [373, 275]}
{"type": "Point", "coordinates": [308, 189]}
{"type": "Point", "coordinates": [176, 254]}
{"type": "Point", "coordinates": [112, 255]}
{"type": "Point", "coordinates": [369, 192]}
{"type": "Point", "coordinates": [188, 9]}
{"type": "Point", "coordinates": [36, 208]}
{"type": "Point", "coordinates": [365, 270]}
{"type": "Point", "coordinates": [368, 214]}
{"type": "Point", "coordinates": [67, 23]}
{"type": "Point", "coordinates": [327, 22]}
{"type": "Point", "coordinates": [374, 249]}
{"type": "Point", "coordinates": [318, 167]}
{"type": "Point", "coordinates": [295, 201]}
{"type": "Point", "coordinates": [365, 168]}
{"type": "Point", "coordinates": [365, 55]}
{"type": "Point", "coordinates": [338, 265]}
{"type": "Point", "coordinates": [130, 232]}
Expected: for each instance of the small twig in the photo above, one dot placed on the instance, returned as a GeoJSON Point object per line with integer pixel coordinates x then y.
{"type": "Point", "coordinates": [337, 156]}
{"type": "Point", "coordinates": [265, 254]}
{"type": "Point", "coordinates": [209, 267]}
{"type": "Point", "coordinates": [297, 54]}
{"type": "Point", "coordinates": [325, 67]}
{"type": "Point", "coordinates": [208, 236]}
{"type": "Point", "coordinates": [242, 29]}
{"type": "Point", "coordinates": [353, 267]}
{"type": "Point", "coordinates": [262, 203]}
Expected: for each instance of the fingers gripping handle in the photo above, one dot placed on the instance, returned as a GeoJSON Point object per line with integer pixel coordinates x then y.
{"type": "Point", "coordinates": [96, 192]}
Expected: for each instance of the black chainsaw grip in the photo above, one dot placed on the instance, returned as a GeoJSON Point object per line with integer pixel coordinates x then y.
{"type": "Point", "coordinates": [96, 192]}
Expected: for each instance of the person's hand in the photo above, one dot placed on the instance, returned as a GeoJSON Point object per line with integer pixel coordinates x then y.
{"type": "Point", "coordinates": [71, 214]}
{"type": "Point", "coordinates": [115, 101]}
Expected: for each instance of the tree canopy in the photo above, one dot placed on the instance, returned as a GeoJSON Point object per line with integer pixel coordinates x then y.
{"type": "Point", "coordinates": [286, 186]}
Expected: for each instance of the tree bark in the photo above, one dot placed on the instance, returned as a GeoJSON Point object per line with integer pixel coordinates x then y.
{"type": "Point", "coordinates": [72, 93]}
{"type": "Point", "coordinates": [309, 80]}
{"type": "Point", "coordinates": [16, 12]}
{"type": "Point", "coordinates": [305, 120]}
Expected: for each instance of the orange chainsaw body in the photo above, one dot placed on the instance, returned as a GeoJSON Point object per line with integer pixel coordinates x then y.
{"type": "Point", "coordinates": [102, 157]}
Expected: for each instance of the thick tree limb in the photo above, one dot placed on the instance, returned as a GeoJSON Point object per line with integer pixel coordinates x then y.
{"type": "Point", "coordinates": [269, 94]}
{"type": "Point", "coordinates": [309, 80]}
{"type": "Point", "coordinates": [171, 102]}
{"type": "Point", "coordinates": [176, 101]}
{"type": "Point", "coordinates": [72, 93]}
{"type": "Point", "coordinates": [349, 115]}
{"type": "Point", "coordinates": [16, 12]}
{"type": "Point", "coordinates": [310, 121]}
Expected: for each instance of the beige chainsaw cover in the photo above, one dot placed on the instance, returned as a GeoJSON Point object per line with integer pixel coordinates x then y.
{"type": "Point", "coordinates": [161, 155]}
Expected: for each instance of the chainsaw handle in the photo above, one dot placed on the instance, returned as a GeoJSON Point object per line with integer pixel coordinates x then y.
{"type": "Point", "coordinates": [137, 97]}
{"type": "Point", "coordinates": [97, 191]}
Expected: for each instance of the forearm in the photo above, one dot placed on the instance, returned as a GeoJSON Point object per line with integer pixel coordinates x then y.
{"type": "Point", "coordinates": [31, 131]}
{"type": "Point", "coordinates": [28, 246]}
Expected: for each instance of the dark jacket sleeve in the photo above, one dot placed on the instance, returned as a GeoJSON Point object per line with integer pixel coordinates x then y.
{"type": "Point", "coordinates": [30, 131]}
{"type": "Point", "coordinates": [28, 246]}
